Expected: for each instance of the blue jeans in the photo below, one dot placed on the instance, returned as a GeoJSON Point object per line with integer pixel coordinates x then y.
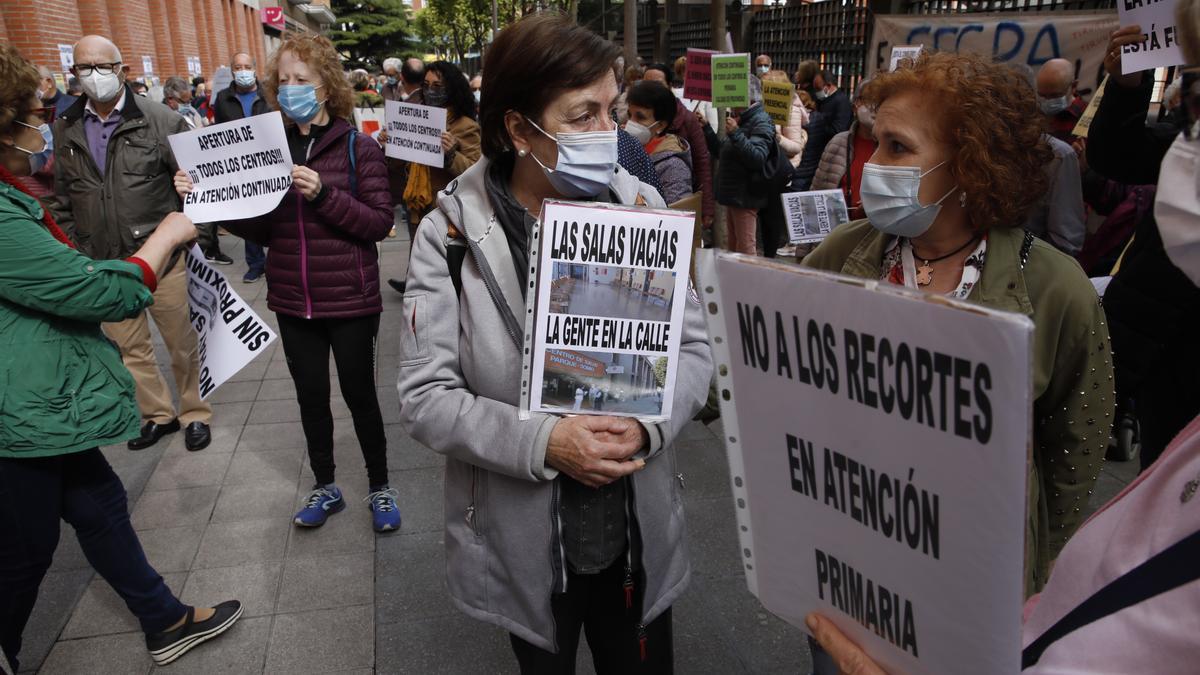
{"type": "Point", "coordinates": [36, 494]}
{"type": "Point", "coordinates": [256, 257]}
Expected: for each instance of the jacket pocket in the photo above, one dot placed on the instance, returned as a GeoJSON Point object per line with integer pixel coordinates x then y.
{"type": "Point", "coordinates": [414, 335]}
{"type": "Point", "coordinates": [475, 510]}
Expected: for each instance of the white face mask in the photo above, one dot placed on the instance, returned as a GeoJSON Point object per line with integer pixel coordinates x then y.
{"type": "Point", "coordinates": [763, 70]}
{"type": "Point", "coordinates": [586, 161]}
{"type": "Point", "coordinates": [889, 196]}
{"type": "Point", "coordinates": [866, 116]}
{"type": "Point", "coordinates": [1177, 206]}
{"type": "Point", "coordinates": [102, 88]}
{"type": "Point", "coordinates": [639, 131]}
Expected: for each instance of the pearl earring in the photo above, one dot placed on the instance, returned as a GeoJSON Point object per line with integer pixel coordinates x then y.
{"type": "Point", "coordinates": [522, 153]}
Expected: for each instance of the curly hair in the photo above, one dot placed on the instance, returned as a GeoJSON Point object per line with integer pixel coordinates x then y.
{"type": "Point", "coordinates": [458, 88]}
{"type": "Point", "coordinates": [988, 113]}
{"type": "Point", "coordinates": [318, 53]}
{"type": "Point", "coordinates": [18, 87]}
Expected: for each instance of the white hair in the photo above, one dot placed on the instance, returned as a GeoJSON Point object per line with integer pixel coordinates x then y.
{"type": "Point", "coordinates": [1172, 91]}
{"type": "Point", "coordinates": [393, 63]}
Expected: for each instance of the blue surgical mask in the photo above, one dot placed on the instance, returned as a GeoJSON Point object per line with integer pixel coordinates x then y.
{"type": "Point", "coordinates": [38, 160]}
{"type": "Point", "coordinates": [586, 162]}
{"type": "Point", "coordinates": [244, 78]}
{"type": "Point", "coordinates": [299, 102]}
{"type": "Point", "coordinates": [1053, 106]}
{"type": "Point", "coordinates": [889, 197]}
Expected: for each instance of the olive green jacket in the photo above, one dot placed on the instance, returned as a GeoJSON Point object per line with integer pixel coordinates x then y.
{"type": "Point", "coordinates": [63, 387]}
{"type": "Point", "coordinates": [1072, 368]}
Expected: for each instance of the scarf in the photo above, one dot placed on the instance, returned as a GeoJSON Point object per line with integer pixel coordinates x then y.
{"type": "Point", "coordinates": [515, 220]}
{"type": "Point", "coordinates": [418, 191]}
{"type": "Point", "coordinates": [47, 219]}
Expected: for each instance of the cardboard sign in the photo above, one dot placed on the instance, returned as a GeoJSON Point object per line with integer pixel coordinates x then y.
{"type": "Point", "coordinates": [1085, 120]}
{"type": "Point", "coordinates": [730, 85]}
{"type": "Point", "coordinates": [1031, 38]}
{"type": "Point", "coordinates": [901, 52]}
{"type": "Point", "coordinates": [414, 132]}
{"type": "Point", "coordinates": [777, 101]}
{"type": "Point", "coordinates": [854, 414]}
{"type": "Point", "coordinates": [609, 292]}
{"type": "Point", "coordinates": [812, 215]}
{"type": "Point", "coordinates": [66, 57]}
{"type": "Point", "coordinates": [230, 332]}
{"type": "Point", "coordinates": [239, 169]}
{"type": "Point", "coordinates": [1160, 37]}
{"type": "Point", "coordinates": [697, 78]}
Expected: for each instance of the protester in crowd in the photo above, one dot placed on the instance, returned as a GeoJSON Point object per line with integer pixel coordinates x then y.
{"type": "Point", "coordinates": [200, 99]}
{"type": "Point", "coordinates": [631, 76]}
{"type": "Point", "coordinates": [476, 85]}
{"type": "Point", "coordinates": [412, 81]}
{"type": "Point", "coordinates": [820, 129]}
{"type": "Point", "coordinates": [1058, 216]}
{"type": "Point", "coordinates": [365, 96]}
{"type": "Point", "coordinates": [792, 135]}
{"type": "Point", "coordinates": [139, 88]}
{"type": "Point", "coordinates": [445, 87]}
{"type": "Point", "coordinates": [762, 65]}
{"type": "Point", "coordinates": [651, 111]}
{"type": "Point", "coordinates": [832, 102]}
{"type": "Point", "coordinates": [177, 96]}
{"type": "Point", "coordinates": [323, 271]}
{"type": "Point", "coordinates": [1153, 306]}
{"type": "Point", "coordinates": [241, 99]}
{"type": "Point", "coordinates": [690, 129]}
{"type": "Point", "coordinates": [460, 380]}
{"type": "Point", "coordinates": [845, 155]}
{"type": "Point", "coordinates": [771, 218]}
{"type": "Point", "coordinates": [66, 393]}
{"type": "Point", "coordinates": [680, 68]}
{"type": "Point", "coordinates": [49, 94]}
{"type": "Point", "coordinates": [109, 212]}
{"type": "Point", "coordinates": [391, 89]}
{"type": "Point", "coordinates": [1057, 98]}
{"type": "Point", "coordinates": [741, 175]}
{"type": "Point", "coordinates": [404, 82]}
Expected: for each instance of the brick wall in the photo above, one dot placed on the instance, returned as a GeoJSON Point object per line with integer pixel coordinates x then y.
{"type": "Point", "coordinates": [168, 31]}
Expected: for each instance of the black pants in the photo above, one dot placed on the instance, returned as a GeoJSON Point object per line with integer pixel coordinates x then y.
{"type": "Point", "coordinates": [597, 603]}
{"type": "Point", "coordinates": [774, 225]}
{"type": "Point", "coordinates": [36, 494]}
{"type": "Point", "coordinates": [306, 343]}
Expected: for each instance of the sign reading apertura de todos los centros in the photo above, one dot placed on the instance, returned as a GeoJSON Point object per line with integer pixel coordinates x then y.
{"type": "Point", "coordinates": [877, 440]}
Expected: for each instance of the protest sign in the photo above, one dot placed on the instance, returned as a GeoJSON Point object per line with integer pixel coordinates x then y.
{"type": "Point", "coordinates": [221, 80]}
{"type": "Point", "coordinates": [147, 65]}
{"type": "Point", "coordinates": [730, 85]}
{"type": "Point", "coordinates": [777, 101]}
{"type": "Point", "coordinates": [877, 439]}
{"type": "Point", "coordinates": [811, 216]}
{"type": "Point", "coordinates": [609, 292]}
{"type": "Point", "coordinates": [1030, 38]}
{"type": "Point", "coordinates": [369, 120]}
{"type": "Point", "coordinates": [229, 332]}
{"type": "Point", "coordinates": [1085, 120]}
{"type": "Point", "coordinates": [414, 132]}
{"type": "Point", "coordinates": [901, 52]}
{"type": "Point", "coordinates": [66, 57]}
{"type": "Point", "coordinates": [1160, 38]}
{"type": "Point", "coordinates": [239, 169]}
{"type": "Point", "coordinates": [697, 78]}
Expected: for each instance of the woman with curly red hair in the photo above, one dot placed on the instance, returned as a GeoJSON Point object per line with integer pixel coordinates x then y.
{"type": "Point", "coordinates": [959, 164]}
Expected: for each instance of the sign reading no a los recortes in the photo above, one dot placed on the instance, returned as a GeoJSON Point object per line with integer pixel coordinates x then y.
{"type": "Point", "coordinates": [239, 169]}
{"type": "Point", "coordinates": [855, 416]}
{"type": "Point", "coordinates": [414, 132]}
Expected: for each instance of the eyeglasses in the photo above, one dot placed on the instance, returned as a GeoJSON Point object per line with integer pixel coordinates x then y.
{"type": "Point", "coordinates": [86, 69]}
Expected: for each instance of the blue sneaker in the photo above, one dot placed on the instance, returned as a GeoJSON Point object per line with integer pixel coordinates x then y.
{"type": "Point", "coordinates": [384, 513]}
{"type": "Point", "coordinates": [321, 502]}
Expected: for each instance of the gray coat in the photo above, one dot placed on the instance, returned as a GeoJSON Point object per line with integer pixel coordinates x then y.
{"type": "Point", "coordinates": [459, 386]}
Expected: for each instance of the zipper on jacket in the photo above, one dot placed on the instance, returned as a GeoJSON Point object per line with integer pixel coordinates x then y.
{"type": "Point", "coordinates": [362, 277]}
{"type": "Point", "coordinates": [472, 508]}
{"type": "Point", "coordinates": [628, 586]}
{"type": "Point", "coordinates": [558, 555]}
{"type": "Point", "coordinates": [303, 255]}
{"type": "Point", "coordinates": [642, 640]}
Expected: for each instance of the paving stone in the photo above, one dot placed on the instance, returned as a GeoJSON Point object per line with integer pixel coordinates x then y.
{"type": "Point", "coordinates": [255, 501]}
{"type": "Point", "coordinates": [101, 611]}
{"type": "Point", "coordinates": [440, 645]}
{"type": "Point", "coordinates": [761, 641]}
{"type": "Point", "coordinates": [326, 582]}
{"type": "Point", "coordinates": [57, 596]}
{"type": "Point", "coordinates": [224, 440]}
{"type": "Point", "coordinates": [410, 578]}
{"type": "Point", "coordinates": [406, 453]}
{"type": "Point", "coordinates": [323, 640]}
{"type": "Point", "coordinates": [174, 508]}
{"type": "Point", "coordinates": [346, 532]}
{"type": "Point", "coordinates": [277, 370]}
{"type": "Point", "coordinates": [241, 650]}
{"type": "Point", "coordinates": [389, 403]}
{"type": "Point", "coordinates": [229, 544]}
{"type": "Point", "coordinates": [195, 469]}
{"type": "Point", "coordinates": [705, 469]}
{"type": "Point", "coordinates": [420, 498]}
{"type": "Point", "coordinates": [253, 372]}
{"type": "Point", "coordinates": [268, 412]}
{"type": "Point", "coordinates": [68, 555]}
{"type": "Point", "coordinates": [257, 468]}
{"type": "Point", "coordinates": [277, 390]}
{"type": "Point", "coordinates": [279, 436]}
{"type": "Point", "coordinates": [111, 654]}
{"type": "Point", "coordinates": [230, 414]}
{"type": "Point", "coordinates": [171, 549]}
{"type": "Point", "coordinates": [234, 392]}
{"type": "Point", "coordinates": [712, 537]}
{"type": "Point", "coordinates": [256, 585]}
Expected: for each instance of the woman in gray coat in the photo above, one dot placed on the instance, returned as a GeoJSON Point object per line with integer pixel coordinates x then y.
{"type": "Point", "coordinates": [553, 524]}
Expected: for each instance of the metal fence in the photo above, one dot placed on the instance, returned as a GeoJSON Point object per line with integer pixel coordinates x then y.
{"type": "Point", "coordinates": [833, 33]}
{"type": "Point", "coordinates": [972, 6]}
{"type": "Point", "coordinates": [693, 34]}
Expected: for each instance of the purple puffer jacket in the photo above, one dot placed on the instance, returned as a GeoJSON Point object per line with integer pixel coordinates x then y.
{"type": "Point", "coordinates": [322, 261]}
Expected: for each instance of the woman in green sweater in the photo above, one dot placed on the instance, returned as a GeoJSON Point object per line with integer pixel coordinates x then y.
{"type": "Point", "coordinates": [64, 392]}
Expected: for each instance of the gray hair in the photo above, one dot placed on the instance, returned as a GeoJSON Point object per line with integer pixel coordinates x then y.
{"type": "Point", "coordinates": [393, 63]}
{"type": "Point", "coordinates": [174, 87]}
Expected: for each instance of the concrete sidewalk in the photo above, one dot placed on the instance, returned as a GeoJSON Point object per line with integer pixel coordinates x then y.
{"type": "Point", "coordinates": [217, 524]}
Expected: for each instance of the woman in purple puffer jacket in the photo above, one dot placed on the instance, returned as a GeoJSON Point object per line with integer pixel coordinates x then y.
{"type": "Point", "coordinates": [323, 267]}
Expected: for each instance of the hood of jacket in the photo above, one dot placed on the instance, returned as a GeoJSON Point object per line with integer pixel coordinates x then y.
{"type": "Point", "coordinates": [672, 146]}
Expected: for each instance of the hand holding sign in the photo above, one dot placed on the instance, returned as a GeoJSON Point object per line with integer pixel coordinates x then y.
{"type": "Point", "coordinates": [1112, 57]}
{"type": "Point", "coordinates": [307, 181]}
{"type": "Point", "coordinates": [850, 659]}
{"type": "Point", "coordinates": [595, 450]}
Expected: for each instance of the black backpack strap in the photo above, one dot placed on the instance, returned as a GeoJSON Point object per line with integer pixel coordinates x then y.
{"type": "Point", "coordinates": [1167, 570]}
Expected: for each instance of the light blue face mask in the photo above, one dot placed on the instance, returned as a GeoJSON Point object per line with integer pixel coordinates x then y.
{"type": "Point", "coordinates": [299, 102]}
{"type": "Point", "coordinates": [586, 162]}
{"type": "Point", "coordinates": [244, 78]}
{"type": "Point", "coordinates": [889, 197]}
{"type": "Point", "coordinates": [38, 160]}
